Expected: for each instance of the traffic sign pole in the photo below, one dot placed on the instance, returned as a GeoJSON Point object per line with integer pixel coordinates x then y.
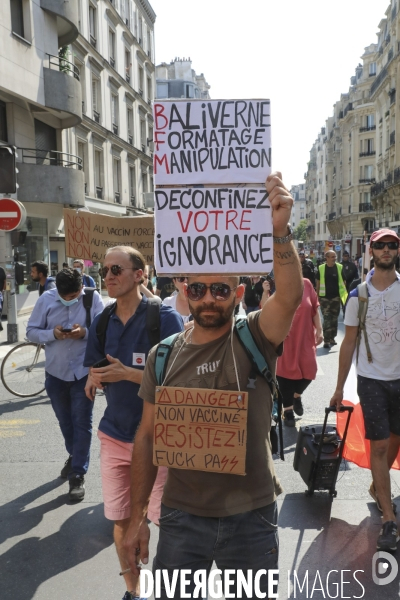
{"type": "Point", "coordinates": [12, 323]}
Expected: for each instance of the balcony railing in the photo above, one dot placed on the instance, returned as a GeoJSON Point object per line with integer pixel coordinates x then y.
{"type": "Point", "coordinates": [132, 200]}
{"type": "Point", "coordinates": [348, 108]}
{"type": "Point", "coordinates": [115, 129]}
{"type": "Point", "coordinates": [93, 40]}
{"type": "Point", "coordinates": [331, 216]}
{"type": "Point", "coordinates": [380, 78]}
{"type": "Point", "coordinates": [96, 116]}
{"type": "Point", "coordinates": [370, 128]}
{"type": "Point", "coordinates": [99, 192]}
{"type": "Point", "coordinates": [365, 207]}
{"type": "Point", "coordinates": [368, 153]}
{"type": "Point", "coordinates": [128, 78]}
{"type": "Point", "coordinates": [51, 157]}
{"type": "Point", "coordinates": [63, 65]}
{"type": "Point", "coordinates": [367, 181]}
{"type": "Point", "coordinates": [130, 139]}
{"type": "Point", "coordinates": [140, 92]}
{"type": "Point", "coordinates": [112, 61]}
{"type": "Point", "coordinates": [392, 138]}
{"type": "Point", "coordinates": [117, 197]}
{"type": "Point", "coordinates": [143, 148]}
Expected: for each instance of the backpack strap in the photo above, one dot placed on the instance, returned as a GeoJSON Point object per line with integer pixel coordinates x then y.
{"type": "Point", "coordinates": [153, 320]}
{"type": "Point", "coordinates": [102, 325]}
{"type": "Point", "coordinates": [362, 290]}
{"type": "Point", "coordinates": [163, 352]}
{"type": "Point", "coordinates": [260, 365]}
{"type": "Point", "coordinates": [87, 303]}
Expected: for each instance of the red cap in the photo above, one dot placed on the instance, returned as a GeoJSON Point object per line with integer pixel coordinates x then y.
{"type": "Point", "coordinates": [377, 235]}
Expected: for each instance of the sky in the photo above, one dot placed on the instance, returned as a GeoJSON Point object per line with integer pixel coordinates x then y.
{"type": "Point", "coordinates": [300, 54]}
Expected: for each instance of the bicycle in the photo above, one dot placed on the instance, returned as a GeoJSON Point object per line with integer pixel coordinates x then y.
{"type": "Point", "coordinates": [23, 370]}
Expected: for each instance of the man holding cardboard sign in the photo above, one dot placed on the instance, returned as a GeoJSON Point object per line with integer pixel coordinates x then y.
{"type": "Point", "coordinates": [208, 515]}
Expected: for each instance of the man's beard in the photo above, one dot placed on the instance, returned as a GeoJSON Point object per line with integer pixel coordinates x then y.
{"type": "Point", "coordinates": [383, 265]}
{"type": "Point", "coordinates": [220, 317]}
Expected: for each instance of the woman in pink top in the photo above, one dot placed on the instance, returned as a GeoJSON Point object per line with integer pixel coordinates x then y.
{"type": "Point", "coordinates": [297, 366]}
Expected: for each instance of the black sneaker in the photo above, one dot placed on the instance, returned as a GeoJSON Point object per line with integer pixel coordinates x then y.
{"type": "Point", "coordinates": [298, 406]}
{"type": "Point", "coordinates": [288, 418]}
{"type": "Point", "coordinates": [333, 343]}
{"type": "Point", "coordinates": [76, 488]}
{"type": "Point", "coordinates": [326, 345]}
{"type": "Point", "coordinates": [131, 596]}
{"type": "Point", "coordinates": [67, 468]}
{"type": "Point", "coordinates": [388, 538]}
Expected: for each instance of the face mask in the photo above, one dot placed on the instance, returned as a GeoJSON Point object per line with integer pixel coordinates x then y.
{"type": "Point", "coordinates": [68, 302]}
{"type": "Point", "coordinates": [78, 269]}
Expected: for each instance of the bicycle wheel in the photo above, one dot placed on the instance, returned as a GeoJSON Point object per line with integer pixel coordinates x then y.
{"type": "Point", "coordinates": [23, 370]}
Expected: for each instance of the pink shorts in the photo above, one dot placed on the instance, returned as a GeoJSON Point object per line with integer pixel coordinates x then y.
{"type": "Point", "coordinates": [115, 465]}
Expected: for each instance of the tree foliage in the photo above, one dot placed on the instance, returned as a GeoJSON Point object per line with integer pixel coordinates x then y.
{"type": "Point", "coordinates": [300, 233]}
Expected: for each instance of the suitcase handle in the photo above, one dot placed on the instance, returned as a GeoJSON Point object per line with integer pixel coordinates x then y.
{"type": "Point", "coordinates": [341, 409]}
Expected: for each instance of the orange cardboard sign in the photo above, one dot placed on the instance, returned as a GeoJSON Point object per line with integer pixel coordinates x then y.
{"type": "Point", "coordinates": [200, 429]}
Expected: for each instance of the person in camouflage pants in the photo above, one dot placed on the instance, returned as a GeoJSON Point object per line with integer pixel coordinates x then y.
{"type": "Point", "coordinates": [330, 309]}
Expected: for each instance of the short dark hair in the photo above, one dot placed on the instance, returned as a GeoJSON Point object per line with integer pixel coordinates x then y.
{"type": "Point", "coordinates": [136, 257]}
{"type": "Point", "coordinates": [41, 267]}
{"type": "Point", "coordinates": [68, 281]}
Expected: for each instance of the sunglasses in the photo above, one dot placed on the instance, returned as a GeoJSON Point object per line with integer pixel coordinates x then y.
{"type": "Point", "coordinates": [181, 279]}
{"type": "Point", "coordinates": [219, 291]}
{"type": "Point", "coordinates": [381, 245]}
{"type": "Point", "coordinates": [115, 270]}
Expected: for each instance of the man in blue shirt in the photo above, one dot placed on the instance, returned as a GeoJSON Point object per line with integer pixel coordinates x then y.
{"type": "Point", "coordinates": [39, 274]}
{"type": "Point", "coordinates": [59, 321]}
{"type": "Point", "coordinates": [79, 265]}
{"type": "Point", "coordinates": [126, 347]}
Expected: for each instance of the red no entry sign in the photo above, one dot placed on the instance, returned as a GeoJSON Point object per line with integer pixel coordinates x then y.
{"type": "Point", "coordinates": [12, 214]}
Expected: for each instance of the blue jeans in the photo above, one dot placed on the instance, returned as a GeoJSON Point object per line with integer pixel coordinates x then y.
{"type": "Point", "coordinates": [74, 413]}
{"type": "Point", "coordinates": [244, 541]}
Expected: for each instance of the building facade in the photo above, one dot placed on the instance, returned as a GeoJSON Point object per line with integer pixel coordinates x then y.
{"type": "Point", "coordinates": [77, 81]}
{"type": "Point", "coordinates": [353, 177]}
{"type": "Point", "coordinates": [299, 206]}
{"type": "Point", "coordinates": [178, 80]}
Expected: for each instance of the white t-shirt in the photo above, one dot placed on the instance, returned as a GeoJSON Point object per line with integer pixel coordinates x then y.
{"type": "Point", "coordinates": [171, 301]}
{"type": "Point", "coordinates": [383, 330]}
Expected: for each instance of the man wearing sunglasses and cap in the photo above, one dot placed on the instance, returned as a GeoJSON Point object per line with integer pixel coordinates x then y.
{"type": "Point", "coordinates": [208, 516]}
{"type": "Point", "coordinates": [378, 360]}
{"type": "Point", "coordinates": [126, 347]}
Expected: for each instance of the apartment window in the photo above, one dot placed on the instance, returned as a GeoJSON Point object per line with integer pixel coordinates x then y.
{"type": "Point", "coordinates": [162, 90]}
{"type": "Point", "coordinates": [98, 172]}
{"type": "Point", "coordinates": [140, 30]}
{"type": "Point", "coordinates": [132, 186]}
{"type": "Point", "coordinates": [81, 68]}
{"type": "Point", "coordinates": [96, 99]}
{"type": "Point", "coordinates": [367, 197]}
{"type": "Point", "coordinates": [128, 66]}
{"type": "Point", "coordinates": [17, 17]}
{"type": "Point", "coordinates": [82, 153]}
{"type": "Point", "coordinates": [129, 118]}
{"type": "Point", "coordinates": [370, 121]}
{"type": "Point", "coordinates": [114, 113]}
{"type": "Point", "coordinates": [148, 43]}
{"type": "Point", "coordinates": [150, 139]}
{"type": "Point", "coordinates": [126, 15]}
{"type": "Point", "coordinates": [92, 25]}
{"type": "Point", "coordinates": [372, 69]}
{"type": "Point", "coordinates": [141, 81]}
{"type": "Point", "coordinates": [111, 46]}
{"type": "Point", "coordinates": [144, 182]}
{"type": "Point", "coordinates": [143, 140]}
{"type": "Point", "coordinates": [149, 90]}
{"type": "Point", "coordinates": [318, 227]}
{"type": "Point", "coordinates": [117, 180]}
{"type": "Point", "coordinates": [3, 122]}
{"type": "Point", "coordinates": [324, 227]}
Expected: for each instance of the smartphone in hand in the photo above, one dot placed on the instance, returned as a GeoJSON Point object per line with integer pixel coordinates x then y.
{"type": "Point", "coordinates": [104, 362]}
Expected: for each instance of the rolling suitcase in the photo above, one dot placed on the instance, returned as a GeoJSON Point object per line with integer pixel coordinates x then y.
{"type": "Point", "coordinates": [318, 454]}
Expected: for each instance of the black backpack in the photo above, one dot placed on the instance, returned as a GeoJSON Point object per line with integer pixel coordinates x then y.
{"type": "Point", "coordinates": [153, 322]}
{"type": "Point", "coordinates": [87, 303]}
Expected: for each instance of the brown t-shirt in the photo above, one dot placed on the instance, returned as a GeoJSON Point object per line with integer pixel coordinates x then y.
{"type": "Point", "coordinates": [211, 366]}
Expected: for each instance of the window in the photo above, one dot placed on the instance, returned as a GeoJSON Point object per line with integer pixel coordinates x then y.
{"type": "Point", "coordinates": [17, 17]}
{"type": "Point", "coordinates": [96, 98]}
{"type": "Point", "coordinates": [82, 153]}
{"type": "Point", "coordinates": [114, 113]}
{"type": "Point", "coordinates": [128, 66]}
{"type": "Point", "coordinates": [129, 119]}
{"type": "Point", "coordinates": [318, 227]}
{"type": "Point", "coordinates": [367, 197]}
{"type": "Point", "coordinates": [81, 68]}
{"type": "Point", "coordinates": [189, 91]}
{"type": "Point", "coordinates": [162, 90]}
{"type": "Point", "coordinates": [324, 227]}
{"type": "Point", "coordinates": [372, 69]}
{"type": "Point", "coordinates": [370, 121]}
{"type": "Point", "coordinates": [111, 47]}
{"type": "Point", "coordinates": [126, 16]}
{"type": "Point", "coordinates": [140, 30]}
{"type": "Point", "coordinates": [117, 180]}
{"type": "Point", "coordinates": [132, 186]}
{"type": "Point", "coordinates": [3, 122]}
{"type": "Point", "coordinates": [143, 139]}
{"type": "Point", "coordinates": [144, 182]}
{"type": "Point", "coordinates": [149, 90]}
{"type": "Point", "coordinates": [98, 172]}
{"type": "Point", "coordinates": [148, 43]}
{"type": "Point", "coordinates": [92, 25]}
{"type": "Point", "coordinates": [141, 81]}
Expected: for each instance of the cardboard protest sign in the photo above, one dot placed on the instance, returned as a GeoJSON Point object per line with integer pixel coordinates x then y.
{"type": "Point", "coordinates": [213, 230]}
{"type": "Point", "coordinates": [89, 235]}
{"type": "Point", "coordinates": [212, 142]}
{"type": "Point", "coordinates": [200, 429]}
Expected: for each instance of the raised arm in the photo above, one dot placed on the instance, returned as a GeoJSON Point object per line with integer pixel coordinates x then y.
{"type": "Point", "coordinates": [277, 313]}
